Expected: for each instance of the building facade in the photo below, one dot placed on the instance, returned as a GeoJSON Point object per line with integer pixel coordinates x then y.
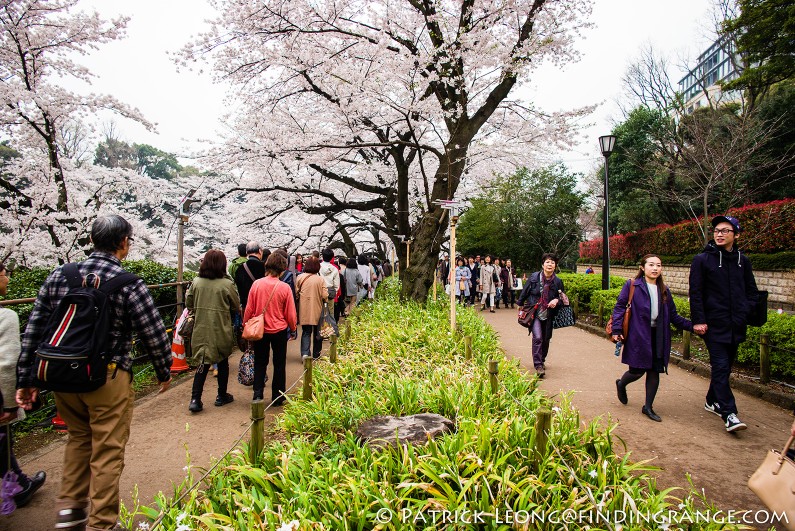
{"type": "Point", "coordinates": [700, 86]}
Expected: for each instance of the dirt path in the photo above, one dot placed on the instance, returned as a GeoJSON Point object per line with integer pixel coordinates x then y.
{"type": "Point", "coordinates": [163, 431]}
{"type": "Point", "coordinates": [688, 440]}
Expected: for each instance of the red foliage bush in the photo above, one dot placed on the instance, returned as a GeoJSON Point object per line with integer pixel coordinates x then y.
{"type": "Point", "coordinates": [767, 228]}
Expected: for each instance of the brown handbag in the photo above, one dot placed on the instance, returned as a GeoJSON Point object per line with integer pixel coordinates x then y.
{"type": "Point", "coordinates": [774, 483]}
{"type": "Point", "coordinates": [254, 329]}
{"type": "Point", "coordinates": [627, 314]}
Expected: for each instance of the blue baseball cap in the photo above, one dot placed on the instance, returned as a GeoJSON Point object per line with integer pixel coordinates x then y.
{"type": "Point", "coordinates": [734, 222]}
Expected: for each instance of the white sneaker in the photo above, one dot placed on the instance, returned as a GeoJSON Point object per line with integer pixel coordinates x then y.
{"type": "Point", "coordinates": [712, 408]}
{"type": "Point", "coordinates": [734, 424]}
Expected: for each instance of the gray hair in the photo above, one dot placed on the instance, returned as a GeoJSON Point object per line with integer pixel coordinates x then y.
{"type": "Point", "coordinates": [252, 247]}
{"type": "Point", "coordinates": [108, 233]}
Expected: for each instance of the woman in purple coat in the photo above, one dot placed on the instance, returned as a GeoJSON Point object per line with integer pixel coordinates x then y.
{"type": "Point", "coordinates": [647, 346]}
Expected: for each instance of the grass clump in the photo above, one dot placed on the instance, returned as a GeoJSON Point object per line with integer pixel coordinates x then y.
{"type": "Point", "coordinates": [402, 359]}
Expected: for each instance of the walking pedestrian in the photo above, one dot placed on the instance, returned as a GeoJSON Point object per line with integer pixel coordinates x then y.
{"type": "Point", "coordinates": [213, 299]}
{"type": "Point", "coordinates": [474, 279]}
{"type": "Point", "coordinates": [542, 288]}
{"type": "Point", "coordinates": [722, 294]}
{"type": "Point", "coordinates": [9, 353]}
{"type": "Point", "coordinates": [249, 271]}
{"type": "Point", "coordinates": [488, 284]}
{"type": "Point", "coordinates": [507, 278]}
{"type": "Point", "coordinates": [354, 283]}
{"type": "Point", "coordinates": [331, 275]}
{"type": "Point", "coordinates": [311, 294]}
{"type": "Point", "coordinates": [274, 299]}
{"type": "Point", "coordinates": [647, 347]}
{"type": "Point", "coordinates": [462, 278]}
{"type": "Point", "coordinates": [99, 420]}
{"type": "Point", "coordinates": [240, 260]}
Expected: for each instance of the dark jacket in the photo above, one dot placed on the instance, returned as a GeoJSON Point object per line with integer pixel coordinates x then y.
{"type": "Point", "coordinates": [722, 293]}
{"type": "Point", "coordinates": [531, 293]}
{"type": "Point", "coordinates": [637, 351]}
{"type": "Point", "coordinates": [474, 280]}
{"type": "Point", "coordinates": [243, 281]}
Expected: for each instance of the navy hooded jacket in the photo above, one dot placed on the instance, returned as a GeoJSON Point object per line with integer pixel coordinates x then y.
{"type": "Point", "coordinates": [722, 293]}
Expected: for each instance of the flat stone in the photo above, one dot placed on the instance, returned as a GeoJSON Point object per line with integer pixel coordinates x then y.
{"type": "Point", "coordinates": [394, 431]}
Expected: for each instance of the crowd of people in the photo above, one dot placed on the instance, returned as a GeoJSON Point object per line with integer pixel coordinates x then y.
{"type": "Point", "coordinates": [296, 290]}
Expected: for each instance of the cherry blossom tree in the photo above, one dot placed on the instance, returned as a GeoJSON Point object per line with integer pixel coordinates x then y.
{"type": "Point", "coordinates": [50, 195]}
{"type": "Point", "coordinates": [351, 113]}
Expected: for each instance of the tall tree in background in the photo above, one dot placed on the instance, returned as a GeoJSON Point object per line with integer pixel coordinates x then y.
{"type": "Point", "coordinates": [524, 215]}
{"type": "Point", "coordinates": [353, 113]}
{"type": "Point", "coordinates": [38, 41]}
{"type": "Point", "coordinates": [765, 34]}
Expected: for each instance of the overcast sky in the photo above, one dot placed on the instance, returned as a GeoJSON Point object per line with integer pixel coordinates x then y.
{"type": "Point", "coordinates": [186, 105]}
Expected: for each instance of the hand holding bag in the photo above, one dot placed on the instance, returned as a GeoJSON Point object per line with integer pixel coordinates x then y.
{"type": "Point", "coordinates": [327, 325]}
{"type": "Point", "coordinates": [774, 483]}
{"type": "Point", "coordinates": [254, 329]}
{"type": "Point", "coordinates": [627, 314]}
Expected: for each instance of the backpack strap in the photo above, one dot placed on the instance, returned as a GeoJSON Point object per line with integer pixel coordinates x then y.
{"type": "Point", "coordinates": [117, 282]}
{"type": "Point", "coordinates": [72, 274]}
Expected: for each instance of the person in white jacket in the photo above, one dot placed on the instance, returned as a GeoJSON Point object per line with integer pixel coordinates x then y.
{"type": "Point", "coordinates": [330, 275]}
{"type": "Point", "coordinates": [9, 353]}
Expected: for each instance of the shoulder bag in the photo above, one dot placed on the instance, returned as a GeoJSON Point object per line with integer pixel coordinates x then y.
{"type": "Point", "coordinates": [254, 329]}
{"type": "Point", "coordinates": [565, 315]}
{"type": "Point", "coordinates": [774, 483]}
{"type": "Point", "coordinates": [627, 314]}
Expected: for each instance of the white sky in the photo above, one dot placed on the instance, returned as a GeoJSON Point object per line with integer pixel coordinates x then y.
{"type": "Point", "coordinates": [185, 105]}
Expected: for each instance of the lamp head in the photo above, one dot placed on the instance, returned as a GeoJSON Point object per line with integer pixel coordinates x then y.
{"type": "Point", "coordinates": [607, 143]}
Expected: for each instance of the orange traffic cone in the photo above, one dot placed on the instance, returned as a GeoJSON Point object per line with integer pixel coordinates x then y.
{"type": "Point", "coordinates": [178, 362]}
{"type": "Point", "coordinates": [58, 423]}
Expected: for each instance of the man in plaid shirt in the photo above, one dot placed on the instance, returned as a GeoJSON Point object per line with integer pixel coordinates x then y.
{"type": "Point", "coordinates": [98, 421]}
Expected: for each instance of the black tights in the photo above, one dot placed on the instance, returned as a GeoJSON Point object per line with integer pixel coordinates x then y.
{"type": "Point", "coordinates": [652, 382]}
{"type": "Point", "coordinates": [201, 375]}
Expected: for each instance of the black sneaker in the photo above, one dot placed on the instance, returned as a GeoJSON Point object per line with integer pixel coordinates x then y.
{"type": "Point", "coordinates": [71, 519]}
{"type": "Point", "coordinates": [21, 499]}
{"type": "Point", "coordinates": [713, 408]}
{"type": "Point", "coordinates": [733, 423]}
{"type": "Point", "coordinates": [223, 400]}
{"type": "Point", "coordinates": [195, 406]}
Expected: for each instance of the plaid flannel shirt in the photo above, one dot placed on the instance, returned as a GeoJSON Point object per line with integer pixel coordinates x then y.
{"type": "Point", "coordinates": [132, 310]}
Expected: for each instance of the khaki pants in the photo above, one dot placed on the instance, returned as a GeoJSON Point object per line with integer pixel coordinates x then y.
{"type": "Point", "coordinates": [351, 304]}
{"type": "Point", "coordinates": [99, 427]}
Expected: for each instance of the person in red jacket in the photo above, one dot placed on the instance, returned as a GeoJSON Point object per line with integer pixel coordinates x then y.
{"type": "Point", "coordinates": [274, 298]}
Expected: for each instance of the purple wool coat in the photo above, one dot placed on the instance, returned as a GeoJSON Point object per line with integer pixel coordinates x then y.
{"type": "Point", "coordinates": [637, 350]}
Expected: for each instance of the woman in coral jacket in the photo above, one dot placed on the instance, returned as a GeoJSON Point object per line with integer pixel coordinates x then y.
{"type": "Point", "coordinates": [647, 347]}
{"type": "Point", "coordinates": [275, 298]}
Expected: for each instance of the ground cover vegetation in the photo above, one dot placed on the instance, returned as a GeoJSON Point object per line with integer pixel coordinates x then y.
{"type": "Point", "coordinates": [402, 359]}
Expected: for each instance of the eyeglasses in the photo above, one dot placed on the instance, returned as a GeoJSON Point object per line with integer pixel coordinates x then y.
{"type": "Point", "coordinates": [723, 231]}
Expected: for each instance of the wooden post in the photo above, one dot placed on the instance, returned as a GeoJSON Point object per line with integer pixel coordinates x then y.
{"type": "Point", "coordinates": [686, 345]}
{"type": "Point", "coordinates": [493, 376]}
{"type": "Point", "coordinates": [543, 424]}
{"type": "Point", "coordinates": [257, 431]}
{"type": "Point", "coordinates": [601, 314]}
{"type": "Point", "coordinates": [308, 378]}
{"type": "Point", "coordinates": [347, 330]}
{"type": "Point", "coordinates": [575, 304]}
{"type": "Point", "coordinates": [468, 347]}
{"type": "Point", "coordinates": [332, 349]}
{"type": "Point", "coordinates": [764, 359]}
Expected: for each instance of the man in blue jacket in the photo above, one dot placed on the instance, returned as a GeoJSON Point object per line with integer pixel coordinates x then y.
{"type": "Point", "coordinates": [722, 295]}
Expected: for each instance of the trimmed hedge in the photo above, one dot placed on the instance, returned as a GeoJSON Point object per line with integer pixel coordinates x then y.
{"type": "Point", "coordinates": [767, 228]}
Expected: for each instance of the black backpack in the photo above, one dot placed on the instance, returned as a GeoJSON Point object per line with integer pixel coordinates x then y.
{"type": "Point", "coordinates": [74, 355]}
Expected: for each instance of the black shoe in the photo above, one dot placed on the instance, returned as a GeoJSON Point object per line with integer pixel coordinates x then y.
{"type": "Point", "coordinates": [195, 406]}
{"type": "Point", "coordinates": [541, 371]}
{"type": "Point", "coordinates": [71, 519]}
{"type": "Point", "coordinates": [21, 499]}
{"type": "Point", "coordinates": [622, 392]}
{"type": "Point", "coordinates": [279, 402]}
{"type": "Point", "coordinates": [649, 412]}
{"type": "Point", "coordinates": [223, 400]}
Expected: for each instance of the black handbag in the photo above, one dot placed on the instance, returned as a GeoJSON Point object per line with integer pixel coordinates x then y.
{"type": "Point", "coordinates": [565, 317]}
{"type": "Point", "coordinates": [758, 314]}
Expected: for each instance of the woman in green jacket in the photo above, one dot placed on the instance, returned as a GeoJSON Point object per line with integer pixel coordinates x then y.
{"type": "Point", "coordinates": [212, 298]}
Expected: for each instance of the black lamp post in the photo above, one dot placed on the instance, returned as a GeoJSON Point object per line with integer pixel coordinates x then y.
{"type": "Point", "coordinates": [606, 144]}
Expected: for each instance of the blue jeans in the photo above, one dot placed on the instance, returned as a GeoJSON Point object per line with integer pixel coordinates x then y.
{"type": "Point", "coordinates": [309, 333]}
{"type": "Point", "coordinates": [542, 333]}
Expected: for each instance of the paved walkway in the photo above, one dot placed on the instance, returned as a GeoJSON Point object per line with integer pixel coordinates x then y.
{"type": "Point", "coordinates": [688, 440]}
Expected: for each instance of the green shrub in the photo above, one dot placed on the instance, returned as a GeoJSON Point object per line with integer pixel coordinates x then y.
{"type": "Point", "coordinates": [582, 286]}
{"type": "Point", "coordinates": [609, 298]}
{"type": "Point", "coordinates": [780, 329]}
{"type": "Point", "coordinates": [401, 360]}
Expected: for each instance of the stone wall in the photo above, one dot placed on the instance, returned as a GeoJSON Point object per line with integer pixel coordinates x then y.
{"type": "Point", "coordinates": [779, 284]}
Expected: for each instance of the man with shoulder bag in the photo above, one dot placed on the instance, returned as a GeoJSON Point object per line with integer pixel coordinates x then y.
{"type": "Point", "coordinates": [99, 414]}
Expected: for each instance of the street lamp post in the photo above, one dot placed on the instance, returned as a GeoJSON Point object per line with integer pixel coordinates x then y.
{"type": "Point", "coordinates": [184, 215]}
{"type": "Point", "coordinates": [454, 207]}
{"type": "Point", "coordinates": [606, 143]}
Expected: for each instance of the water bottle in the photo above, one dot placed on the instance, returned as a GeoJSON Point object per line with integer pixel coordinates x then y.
{"type": "Point", "coordinates": [619, 344]}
